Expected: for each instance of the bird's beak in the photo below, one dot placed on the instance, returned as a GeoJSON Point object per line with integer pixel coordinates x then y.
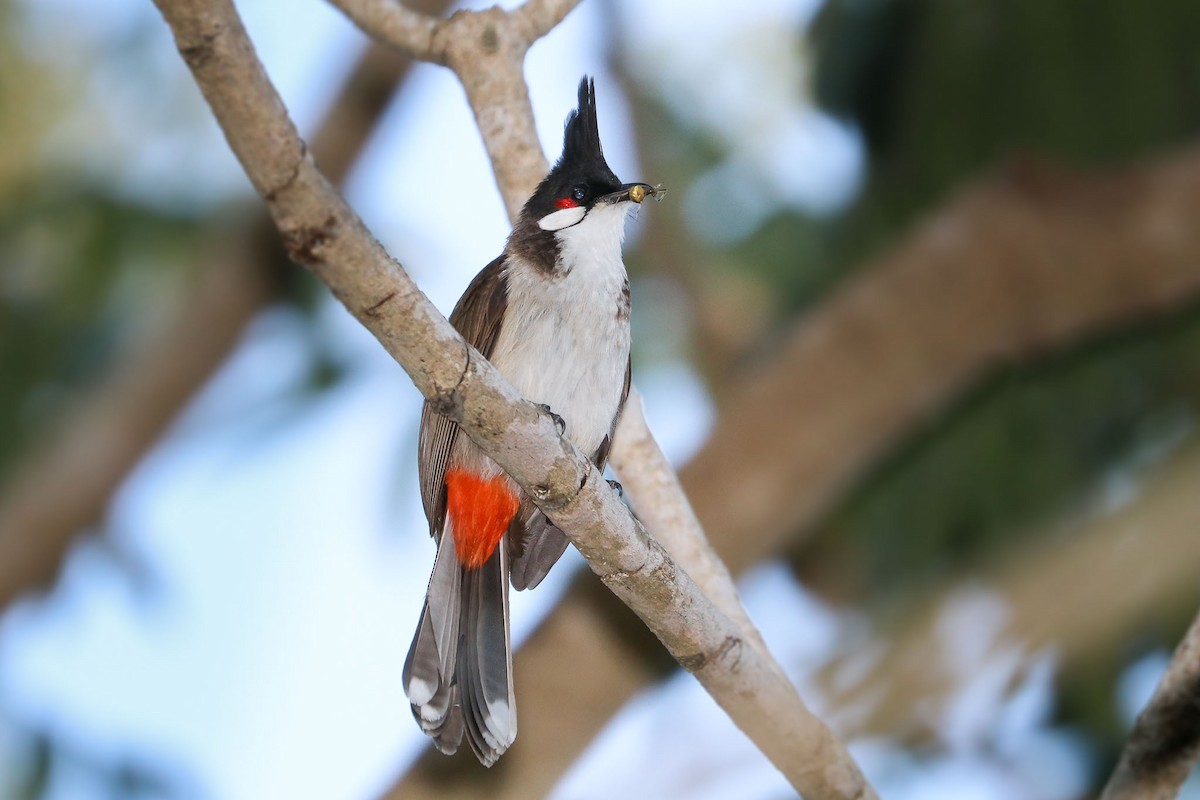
{"type": "Point", "coordinates": [633, 192]}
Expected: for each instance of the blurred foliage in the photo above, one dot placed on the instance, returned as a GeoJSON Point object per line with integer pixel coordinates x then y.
{"type": "Point", "coordinates": [31, 98]}
{"type": "Point", "coordinates": [74, 254]}
{"type": "Point", "coordinates": [77, 260]}
{"type": "Point", "coordinates": [1071, 430]}
{"type": "Point", "coordinates": [88, 266]}
{"type": "Point", "coordinates": [943, 90]}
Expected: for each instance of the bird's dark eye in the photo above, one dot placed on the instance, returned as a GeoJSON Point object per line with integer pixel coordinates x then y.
{"type": "Point", "coordinates": [579, 192]}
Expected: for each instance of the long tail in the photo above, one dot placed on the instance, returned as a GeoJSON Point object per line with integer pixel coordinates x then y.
{"type": "Point", "coordinates": [458, 675]}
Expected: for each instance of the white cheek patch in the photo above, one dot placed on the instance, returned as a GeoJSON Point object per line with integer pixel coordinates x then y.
{"type": "Point", "coordinates": [563, 218]}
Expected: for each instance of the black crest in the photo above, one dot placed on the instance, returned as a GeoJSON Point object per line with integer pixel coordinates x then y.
{"type": "Point", "coordinates": [581, 139]}
{"type": "Point", "coordinates": [582, 157]}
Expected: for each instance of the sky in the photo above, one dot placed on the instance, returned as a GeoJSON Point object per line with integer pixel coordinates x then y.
{"type": "Point", "coordinates": [275, 672]}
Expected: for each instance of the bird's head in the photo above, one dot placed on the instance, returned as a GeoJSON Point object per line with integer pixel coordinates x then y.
{"type": "Point", "coordinates": [581, 186]}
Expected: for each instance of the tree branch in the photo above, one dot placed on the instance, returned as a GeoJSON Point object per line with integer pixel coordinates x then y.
{"type": "Point", "coordinates": [536, 18]}
{"type": "Point", "coordinates": [421, 36]}
{"type": "Point", "coordinates": [1165, 742]}
{"type": "Point", "coordinates": [394, 24]}
{"type": "Point", "coordinates": [322, 232]}
{"type": "Point", "coordinates": [640, 461]}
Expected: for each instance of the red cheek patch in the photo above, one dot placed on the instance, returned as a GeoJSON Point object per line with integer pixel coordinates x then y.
{"type": "Point", "coordinates": [565, 202]}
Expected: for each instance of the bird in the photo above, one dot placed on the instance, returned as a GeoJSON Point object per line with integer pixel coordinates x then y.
{"type": "Point", "coordinates": [552, 315]}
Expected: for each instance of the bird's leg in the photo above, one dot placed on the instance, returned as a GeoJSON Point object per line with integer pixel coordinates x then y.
{"type": "Point", "coordinates": [559, 424]}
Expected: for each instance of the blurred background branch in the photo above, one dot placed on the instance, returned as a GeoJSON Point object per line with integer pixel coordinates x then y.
{"type": "Point", "coordinates": [64, 486]}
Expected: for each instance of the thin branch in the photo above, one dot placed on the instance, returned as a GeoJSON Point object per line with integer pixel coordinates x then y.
{"type": "Point", "coordinates": [1165, 742]}
{"type": "Point", "coordinates": [322, 232]}
{"type": "Point", "coordinates": [420, 36]}
{"type": "Point", "coordinates": [536, 18]}
{"type": "Point", "coordinates": [393, 23]}
{"type": "Point", "coordinates": [641, 462]}
{"type": "Point", "coordinates": [486, 50]}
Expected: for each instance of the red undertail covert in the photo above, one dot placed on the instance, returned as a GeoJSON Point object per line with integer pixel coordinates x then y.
{"type": "Point", "coordinates": [480, 510]}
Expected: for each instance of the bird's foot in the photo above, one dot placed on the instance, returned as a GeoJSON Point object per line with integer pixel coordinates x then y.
{"type": "Point", "coordinates": [617, 487]}
{"type": "Point", "coordinates": [559, 424]}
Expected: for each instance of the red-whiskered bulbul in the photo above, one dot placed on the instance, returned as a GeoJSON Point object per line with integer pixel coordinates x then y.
{"type": "Point", "coordinates": [552, 314]}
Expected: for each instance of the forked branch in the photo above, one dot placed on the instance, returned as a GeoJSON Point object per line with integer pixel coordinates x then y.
{"type": "Point", "coordinates": [323, 233]}
{"type": "Point", "coordinates": [486, 50]}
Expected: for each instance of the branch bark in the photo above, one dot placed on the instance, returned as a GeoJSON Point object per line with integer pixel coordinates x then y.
{"type": "Point", "coordinates": [410, 32]}
{"type": "Point", "coordinates": [1165, 743]}
{"type": "Point", "coordinates": [114, 424]}
{"type": "Point", "coordinates": [321, 232]}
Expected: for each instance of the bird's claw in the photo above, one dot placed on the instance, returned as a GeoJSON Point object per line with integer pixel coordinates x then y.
{"type": "Point", "coordinates": [617, 487]}
{"type": "Point", "coordinates": [559, 424]}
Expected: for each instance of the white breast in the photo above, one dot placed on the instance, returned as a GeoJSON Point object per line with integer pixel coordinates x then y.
{"type": "Point", "coordinates": [565, 338]}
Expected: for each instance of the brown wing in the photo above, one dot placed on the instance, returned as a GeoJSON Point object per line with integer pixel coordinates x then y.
{"type": "Point", "coordinates": [601, 457]}
{"type": "Point", "coordinates": [478, 316]}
